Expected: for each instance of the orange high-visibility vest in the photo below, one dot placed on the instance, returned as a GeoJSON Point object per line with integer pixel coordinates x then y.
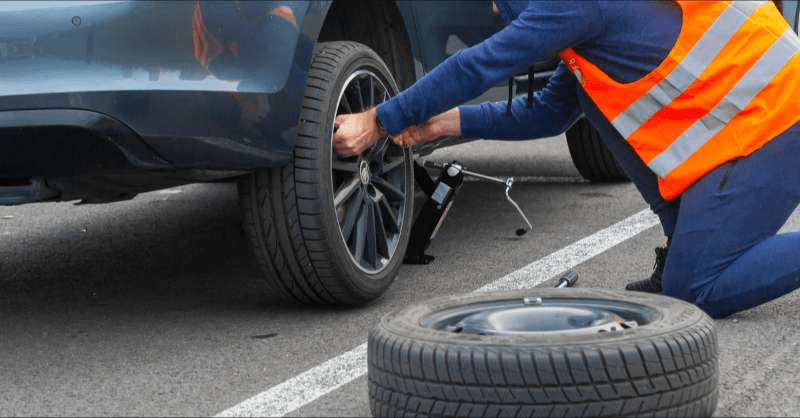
{"type": "Point", "coordinates": [729, 85]}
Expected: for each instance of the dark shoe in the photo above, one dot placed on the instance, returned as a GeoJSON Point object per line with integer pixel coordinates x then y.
{"type": "Point", "coordinates": [653, 284]}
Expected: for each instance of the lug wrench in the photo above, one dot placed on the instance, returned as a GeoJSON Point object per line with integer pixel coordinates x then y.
{"type": "Point", "coordinates": [507, 182]}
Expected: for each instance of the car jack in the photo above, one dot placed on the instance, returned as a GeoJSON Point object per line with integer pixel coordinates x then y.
{"type": "Point", "coordinates": [440, 193]}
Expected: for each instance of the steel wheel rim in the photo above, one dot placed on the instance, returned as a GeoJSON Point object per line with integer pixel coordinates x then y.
{"type": "Point", "coordinates": [370, 190]}
{"type": "Point", "coordinates": [535, 316]}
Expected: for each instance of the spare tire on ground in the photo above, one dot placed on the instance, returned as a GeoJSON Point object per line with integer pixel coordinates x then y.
{"type": "Point", "coordinates": [544, 352]}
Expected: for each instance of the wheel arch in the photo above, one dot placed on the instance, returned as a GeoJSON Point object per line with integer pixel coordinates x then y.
{"type": "Point", "coordinates": [378, 24]}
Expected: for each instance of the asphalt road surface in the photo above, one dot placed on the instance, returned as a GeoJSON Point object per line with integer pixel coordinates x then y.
{"type": "Point", "coordinates": [152, 307]}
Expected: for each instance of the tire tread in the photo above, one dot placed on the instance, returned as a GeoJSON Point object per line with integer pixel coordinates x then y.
{"type": "Point", "coordinates": [589, 154]}
{"type": "Point", "coordinates": [672, 374]}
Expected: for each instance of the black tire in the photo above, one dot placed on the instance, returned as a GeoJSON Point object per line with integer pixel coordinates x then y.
{"type": "Point", "coordinates": [440, 358]}
{"type": "Point", "coordinates": [314, 250]}
{"type": "Point", "coordinates": [591, 156]}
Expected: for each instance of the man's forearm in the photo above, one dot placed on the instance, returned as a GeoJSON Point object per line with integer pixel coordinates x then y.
{"type": "Point", "coordinates": [553, 110]}
{"type": "Point", "coordinates": [442, 125]}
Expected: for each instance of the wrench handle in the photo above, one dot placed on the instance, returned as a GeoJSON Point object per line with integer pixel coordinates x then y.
{"type": "Point", "coordinates": [432, 164]}
{"type": "Point", "coordinates": [568, 279]}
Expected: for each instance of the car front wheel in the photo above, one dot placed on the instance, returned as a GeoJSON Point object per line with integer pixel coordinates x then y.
{"type": "Point", "coordinates": [329, 230]}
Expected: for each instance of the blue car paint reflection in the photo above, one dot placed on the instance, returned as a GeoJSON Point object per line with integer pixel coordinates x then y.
{"type": "Point", "coordinates": [137, 62]}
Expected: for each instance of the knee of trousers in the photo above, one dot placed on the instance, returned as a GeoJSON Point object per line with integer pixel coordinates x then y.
{"type": "Point", "coordinates": [695, 292]}
{"type": "Point", "coordinates": [679, 292]}
{"type": "Point", "coordinates": [688, 289]}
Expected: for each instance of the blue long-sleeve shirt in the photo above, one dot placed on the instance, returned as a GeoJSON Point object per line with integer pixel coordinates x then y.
{"type": "Point", "coordinates": [626, 39]}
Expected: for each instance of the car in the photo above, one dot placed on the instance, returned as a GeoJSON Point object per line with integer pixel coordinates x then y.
{"type": "Point", "coordinates": [102, 101]}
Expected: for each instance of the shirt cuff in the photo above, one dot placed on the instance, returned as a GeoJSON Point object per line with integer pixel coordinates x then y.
{"type": "Point", "coordinates": [391, 124]}
{"type": "Point", "coordinates": [473, 123]}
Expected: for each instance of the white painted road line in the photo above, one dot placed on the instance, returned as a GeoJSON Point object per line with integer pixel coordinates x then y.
{"type": "Point", "coordinates": [305, 387]}
{"type": "Point", "coordinates": [574, 254]}
{"type": "Point", "coordinates": [336, 372]}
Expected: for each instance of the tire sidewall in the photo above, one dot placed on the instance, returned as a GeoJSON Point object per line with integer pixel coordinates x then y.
{"type": "Point", "coordinates": [358, 280]}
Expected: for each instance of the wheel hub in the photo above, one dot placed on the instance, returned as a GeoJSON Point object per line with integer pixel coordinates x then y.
{"type": "Point", "coordinates": [363, 171]}
{"type": "Point", "coordinates": [534, 316]}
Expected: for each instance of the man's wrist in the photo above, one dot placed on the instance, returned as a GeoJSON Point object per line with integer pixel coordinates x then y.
{"type": "Point", "coordinates": [448, 123]}
{"type": "Point", "coordinates": [378, 123]}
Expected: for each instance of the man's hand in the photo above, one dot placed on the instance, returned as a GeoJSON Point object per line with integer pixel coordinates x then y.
{"type": "Point", "coordinates": [441, 125]}
{"type": "Point", "coordinates": [355, 133]}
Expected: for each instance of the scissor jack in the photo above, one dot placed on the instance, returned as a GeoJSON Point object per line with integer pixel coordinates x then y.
{"type": "Point", "coordinates": [440, 193]}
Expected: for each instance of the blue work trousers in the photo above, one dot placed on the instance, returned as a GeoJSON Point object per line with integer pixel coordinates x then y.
{"type": "Point", "coordinates": [726, 255]}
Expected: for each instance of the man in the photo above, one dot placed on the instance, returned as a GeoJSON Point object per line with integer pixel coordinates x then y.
{"type": "Point", "coordinates": [698, 101]}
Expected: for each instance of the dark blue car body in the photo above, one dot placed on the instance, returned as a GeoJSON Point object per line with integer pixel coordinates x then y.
{"type": "Point", "coordinates": [102, 100]}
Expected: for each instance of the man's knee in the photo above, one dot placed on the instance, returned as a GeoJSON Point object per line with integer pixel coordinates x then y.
{"type": "Point", "coordinates": [696, 292]}
{"type": "Point", "coordinates": [679, 289]}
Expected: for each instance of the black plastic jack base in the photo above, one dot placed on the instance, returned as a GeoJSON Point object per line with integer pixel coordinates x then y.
{"type": "Point", "coordinates": [440, 194]}
{"type": "Point", "coordinates": [419, 259]}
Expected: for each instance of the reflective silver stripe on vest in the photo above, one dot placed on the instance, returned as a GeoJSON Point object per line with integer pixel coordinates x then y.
{"type": "Point", "coordinates": [756, 78]}
{"type": "Point", "coordinates": [687, 71]}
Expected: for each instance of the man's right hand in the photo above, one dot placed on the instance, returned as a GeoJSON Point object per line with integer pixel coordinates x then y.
{"type": "Point", "coordinates": [355, 133]}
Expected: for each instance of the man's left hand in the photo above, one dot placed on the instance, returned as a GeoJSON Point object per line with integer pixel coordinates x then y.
{"type": "Point", "coordinates": [442, 125]}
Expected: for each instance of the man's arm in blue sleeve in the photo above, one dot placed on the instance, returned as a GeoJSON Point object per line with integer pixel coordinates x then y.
{"type": "Point", "coordinates": [538, 34]}
{"type": "Point", "coordinates": [555, 108]}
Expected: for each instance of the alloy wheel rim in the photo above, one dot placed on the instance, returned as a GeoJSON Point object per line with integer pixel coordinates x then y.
{"type": "Point", "coordinates": [370, 190]}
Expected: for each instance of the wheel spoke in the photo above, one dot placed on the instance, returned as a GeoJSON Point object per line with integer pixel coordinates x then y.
{"type": "Point", "coordinates": [388, 216]}
{"type": "Point", "coordinates": [360, 233]}
{"type": "Point", "coordinates": [346, 191]}
{"type": "Point", "coordinates": [380, 206]}
{"type": "Point", "coordinates": [393, 163]}
{"type": "Point", "coordinates": [345, 103]}
{"type": "Point", "coordinates": [381, 244]}
{"type": "Point", "coordinates": [342, 165]}
{"type": "Point", "coordinates": [360, 95]}
{"type": "Point", "coordinates": [377, 150]}
{"type": "Point", "coordinates": [393, 192]}
{"type": "Point", "coordinates": [371, 244]}
{"type": "Point", "coordinates": [352, 216]}
{"type": "Point", "coordinates": [371, 92]}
